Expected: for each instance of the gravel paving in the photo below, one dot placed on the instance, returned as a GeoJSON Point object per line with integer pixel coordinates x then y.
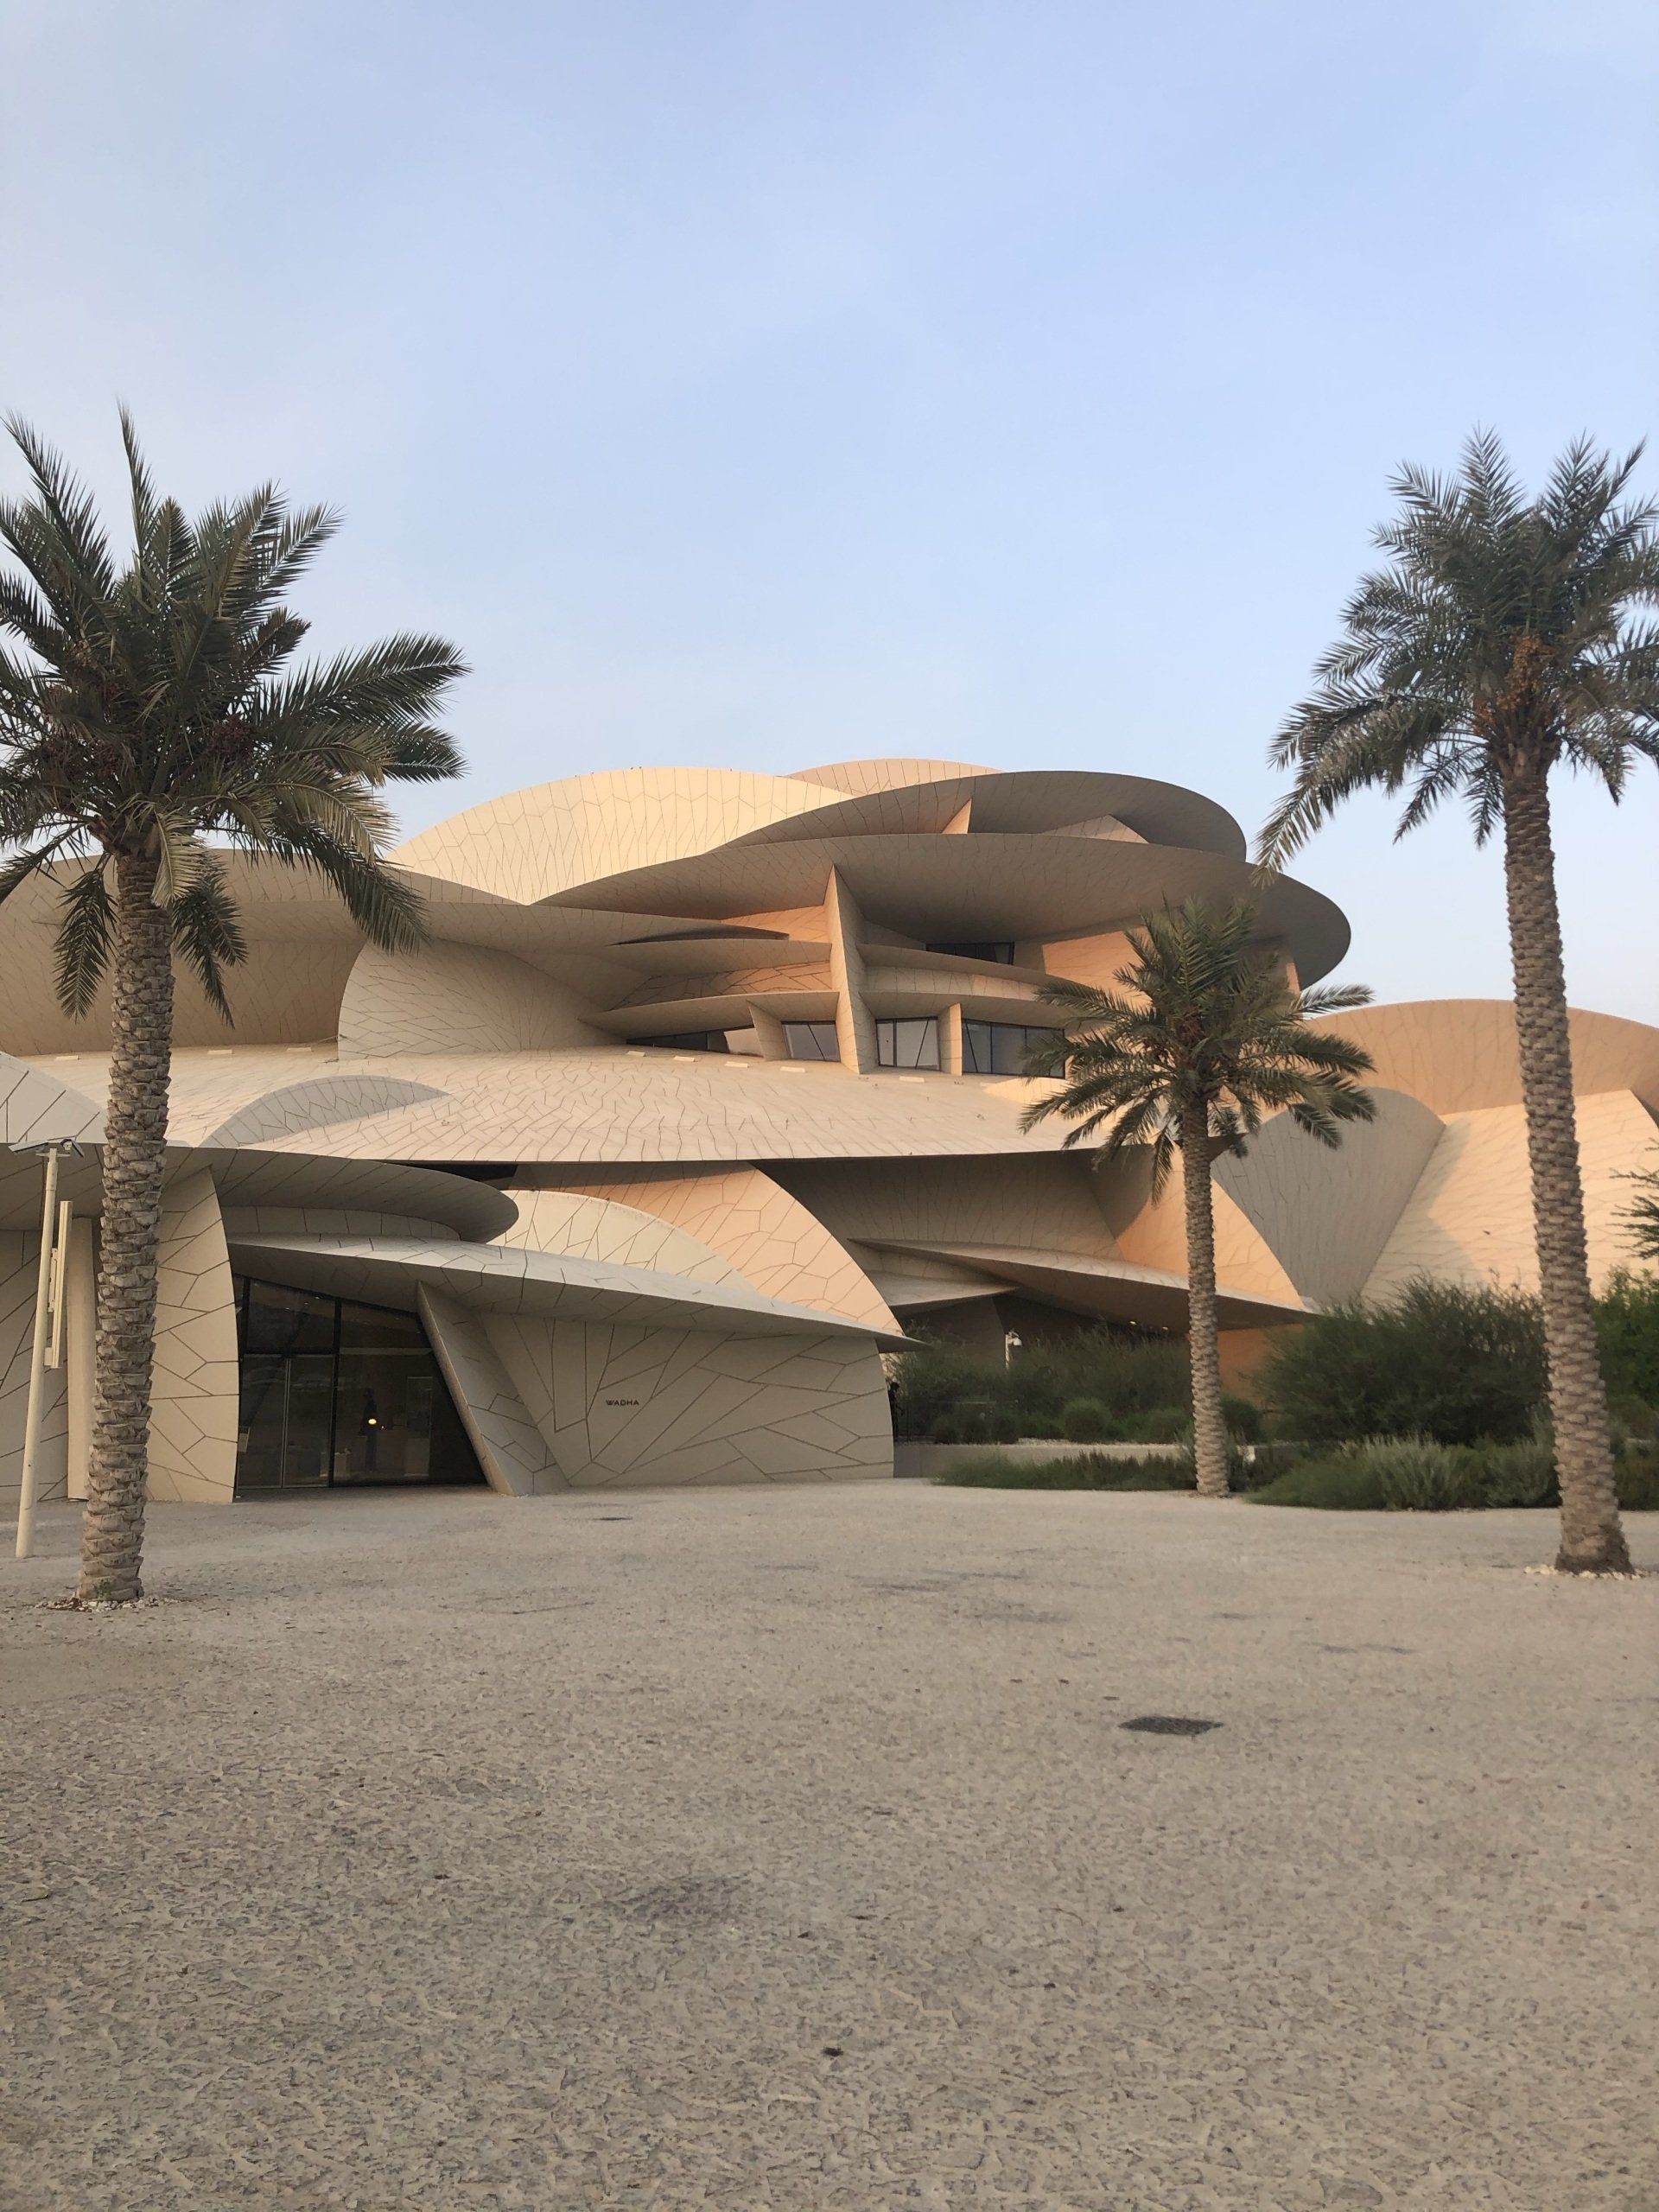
{"type": "Point", "coordinates": [749, 1848]}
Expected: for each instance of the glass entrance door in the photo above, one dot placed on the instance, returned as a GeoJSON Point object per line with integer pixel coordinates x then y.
{"type": "Point", "coordinates": [389, 1390]}
{"type": "Point", "coordinates": [261, 1423]}
{"type": "Point", "coordinates": [310, 1420]}
{"type": "Point", "coordinates": [286, 1417]}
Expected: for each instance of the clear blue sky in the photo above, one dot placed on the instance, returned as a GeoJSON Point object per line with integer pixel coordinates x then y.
{"type": "Point", "coordinates": [761, 382]}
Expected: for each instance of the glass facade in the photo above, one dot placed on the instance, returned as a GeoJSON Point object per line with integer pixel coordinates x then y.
{"type": "Point", "coordinates": [686, 1040]}
{"type": "Point", "coordinates": [907, 1043]}
{"type": "Point", "coordinates": [335, 1393]}
{"type": "Point", "coordinates": [1000, 1047]}
{"type": "Point", "coordinates": [811, 1041]}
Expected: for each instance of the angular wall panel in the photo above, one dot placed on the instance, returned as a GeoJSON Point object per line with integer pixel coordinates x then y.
{"type": "Point", "coordinates": [771, 1239]}
{"type": "Point", "coordinates": [194, 1395]}
{"type": "Point", "coordinates": [1326, 1214]}
{"type": "Point", "coordinates": [19, 1252]}
{"type": "Point", "coordinates": [511, 1448]}
{"type": "Point", "coordinates": [1469, 1219]}
{"type": "Point", "coordinates": [629, 1406]}
{"type": "Point", "coordinates": [456, 998]}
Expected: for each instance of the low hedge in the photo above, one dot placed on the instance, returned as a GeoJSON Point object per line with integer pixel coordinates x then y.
{"type": "Point", "coordinates": [1399, 1474]}
{"type": "Point", "coordinates": [1081, 1420]}
{"type": "Point", "coordinates": [1083, 1471]}
{"type": "Point", "coordinates": [1411, 1474]}
{"type": "Point", "coordinates": [1331, 1486]}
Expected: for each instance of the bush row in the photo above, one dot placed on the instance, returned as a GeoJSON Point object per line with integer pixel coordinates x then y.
{"type": "Point", "coordinates": [1465, 1368]}
{"type": "Point", "coordinates": [1133, 1377]}
{"type": "Point", "coordinates": [1385, 1474]}
{"type": "Point", "coordinates": [1083, 1421]}
{"type": "Point", "coordinates": [1084, 1470]}
{"type": "Point", "coordinates": [1415, 1474]}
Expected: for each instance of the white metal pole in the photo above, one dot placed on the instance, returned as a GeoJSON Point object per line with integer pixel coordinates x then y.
{"type": "Point", "coordinates": [37, 1360]}
{"type": "Point", "coordinates": [60, 1283]}
{"type": "Point", "coordinates": [80, 1324]}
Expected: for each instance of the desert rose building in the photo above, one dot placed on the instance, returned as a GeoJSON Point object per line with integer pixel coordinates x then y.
{"type": "Point", "coordinates": [705, 1091]}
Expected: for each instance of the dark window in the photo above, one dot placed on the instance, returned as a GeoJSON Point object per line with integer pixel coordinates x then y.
{"type": "Point", "coordinates": [907, 1043]}
{"type": "Point", "coordinates": [376, 1328]}
{"type": "Point", "coordinates": [811, 1041]}
{"type": "Point", "coordinates": [281, 1319]}
{"type": "Point", "coordinates": [475, 1170]}
{"type": "Point", "coordinates": [1000, 1047]}
{"type": "Point", "coordinates": [687, 1040]}
{"type": "Point", "coordinates": [998, 949]}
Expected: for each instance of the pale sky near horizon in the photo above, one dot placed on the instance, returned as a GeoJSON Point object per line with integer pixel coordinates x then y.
{"type": "Point", "coordinates": [758, 384]}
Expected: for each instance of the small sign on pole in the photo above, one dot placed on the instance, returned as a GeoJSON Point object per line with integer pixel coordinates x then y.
{"type": "Point", "coordinates": [60, 1283]}
{"type": "Point", "coordinates": [46, 1348]}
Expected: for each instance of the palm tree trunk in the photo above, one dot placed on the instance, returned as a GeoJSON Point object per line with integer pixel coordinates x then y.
{"type": "Point", "coordinates": [135, 1147]}
{"type": "Point", "coordinates": [1592, 1541]}
{"type": "Point", "coordinates": [1203, 1341]}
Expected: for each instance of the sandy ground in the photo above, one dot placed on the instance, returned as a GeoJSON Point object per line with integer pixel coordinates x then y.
{"type": "Point", "coordinates": [775, 1849]}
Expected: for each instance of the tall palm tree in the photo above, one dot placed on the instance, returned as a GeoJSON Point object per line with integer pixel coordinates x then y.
{"type": "Point", "coordinates": [1205, 1036]}
{"type": "Point", "coordinates": [1498, 645]}
{"type": "Point", "coordinates": [146, 710]}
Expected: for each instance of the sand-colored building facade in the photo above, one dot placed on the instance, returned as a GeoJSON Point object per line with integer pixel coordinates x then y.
{"type": "Point", "coordinates": [704, 1092]}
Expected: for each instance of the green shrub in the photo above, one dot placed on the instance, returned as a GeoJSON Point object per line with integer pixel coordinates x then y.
{"type": "Point", "coordinates": [1637, 1474]}
{"type": "Point", "coordinates": [1243, 1418]}
{"type": "Point", "coordinates": [1333, 1485]}
{"type": "Point", "coordinates": [1159, 1425]}
{"type": "Point", "coordinates": [1627, 1331]}
{"type": "Point", "coordinates": [1496, 1475]}
{"type": "Point", "coordinates": [1127, 1370]}
{"type": "Point", "coordinates": [1417, 1475]}
{"type": "Point", "coordinates": [1514, 1474]}
{"type": "Point", "coordinates": [1455, 1365]}
{"type": "Point", "coordinates": [1082, 1471]}
{"type": "Point", "coordinates": [1269, 1461]}
{"type": "Point", "coordinates": [1085, 1421]}
{"type": "Point", "coordinates": [975, 1420]}
{"type": "Point", "coordinates": [1630, 1419]}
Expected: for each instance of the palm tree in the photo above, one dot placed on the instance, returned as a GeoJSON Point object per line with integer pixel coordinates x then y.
{"type": "Point", "coordinates": [150, 710]}
{"type": "Point", "coordinates": [1497, 645]}
{"type": "Point", "coordinates": [1205, 1036]}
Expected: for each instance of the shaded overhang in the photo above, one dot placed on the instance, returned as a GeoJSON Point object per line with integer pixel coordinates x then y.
{"type": "Point", "coordinates": [1117, 1290]}
{"type": "Point", "coordinates": [509, 1279]}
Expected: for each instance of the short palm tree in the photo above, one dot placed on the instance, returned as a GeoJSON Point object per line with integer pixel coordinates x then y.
{"type": "Point", "coordinates": [146, 710]}
{"type": "Point", "coordinates": [1206, 1036]}
{"type": "Point", "coordinates": [1499, 645]}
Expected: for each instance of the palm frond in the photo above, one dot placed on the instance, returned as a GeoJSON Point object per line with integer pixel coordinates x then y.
{"type": "Point", "coordinates": [143, 486]}
{"type": "Point", "coordinates": [391, 912]}
{"type": "Point", "coordinates": [181, 857]}
{"type": "Point", "coordinates": [20, 867]}
{"type": "Point", "coordinates": [1641, 1217]}
{"type": "Point", "coordinates": [1332, 998]}
{"type": "Point", "coordinates": [82, 948]}
{"type": "Point", "coordinates": [207, 933]}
